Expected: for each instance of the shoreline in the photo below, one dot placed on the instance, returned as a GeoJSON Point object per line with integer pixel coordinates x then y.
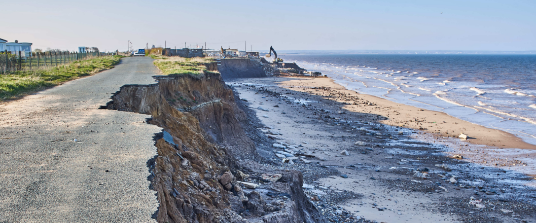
{"type": "Point", "coordinates": [408, 116]}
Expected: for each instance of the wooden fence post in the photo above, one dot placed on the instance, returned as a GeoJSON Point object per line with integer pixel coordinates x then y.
{"type": "Point", "coordinates": [7, 62]}
{"type": "Point", "coordinates": [20, 60]}
{"type": "Point", "coordinates": [38, 57]}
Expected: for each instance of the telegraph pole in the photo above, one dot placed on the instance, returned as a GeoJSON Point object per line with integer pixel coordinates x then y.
{"type": "Point", "coordinates": [128, 45]}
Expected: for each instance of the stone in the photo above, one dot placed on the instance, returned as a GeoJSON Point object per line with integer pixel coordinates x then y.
{"type": "Point", "coordinates": [453, 180]}
{"type": "Point", "coordinates": [262, 109]}
{"type": "Point", "coordinates": [306, 161]}
{"type": "Point", "coordinates": [345, 153]}
{"type": "Point", "coordinates": [242, 175]}
{"type": "Point", "coordinates": [444, 166]}
{"type": "Point", "coordinates": [457, 156]}
{"type": "Point", "coordinates": [280, 155]}
{"type": "Point", "coordinates": [248, 185]}
{"type": "Point", "coordinates": [185, 163]}
{"type": "Point", "coordinates": [506, 211]}
{"type": "Point", "coordinates": [255, 204]}
{"type": "Point", "coordinates": [344, 176]}
{"type": "Point", "coordinates": [463, 136]}
{"type": "Point", "coordinates": [360, 143]}
{"type": "Point", "coordinates": [271, 177]}
{"type": "Point", "coordinates": [280, 146]}
{"type": "Point", "coordinates": [226, 179]}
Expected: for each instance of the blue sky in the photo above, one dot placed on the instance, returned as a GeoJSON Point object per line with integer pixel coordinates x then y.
{"type": "Point", "coordinates": [287, 25]}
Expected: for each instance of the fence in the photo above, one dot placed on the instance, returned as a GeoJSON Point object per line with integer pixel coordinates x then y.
{"type": "Point", "coordinates": [10, 63]}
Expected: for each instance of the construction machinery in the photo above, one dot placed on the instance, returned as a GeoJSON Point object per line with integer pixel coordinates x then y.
{"type": "Point", "coordinates": [223, 52]}
{"type": "Point", "coordinates": [276, 60]}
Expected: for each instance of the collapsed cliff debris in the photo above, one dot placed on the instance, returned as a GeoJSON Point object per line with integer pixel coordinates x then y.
{"type": "Point", "coordinates": [207, 168]}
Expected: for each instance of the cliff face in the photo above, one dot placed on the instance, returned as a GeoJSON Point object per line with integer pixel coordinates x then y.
{"type": "Point", "coordinates": [204, 151]}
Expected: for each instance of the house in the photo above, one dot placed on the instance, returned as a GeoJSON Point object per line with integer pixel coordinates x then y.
{"type": "Point", "coordinates": [253, 54]}
{"type": "Point", "coordinates": [231, 52]}
{"type": "Point", "coordinates": [16, 47]}
{"type": "Point", "coordinates": [2, 44]}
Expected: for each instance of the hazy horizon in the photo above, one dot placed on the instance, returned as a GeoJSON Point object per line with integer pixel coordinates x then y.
{"type": "Point", "coordinates": [298, 25]}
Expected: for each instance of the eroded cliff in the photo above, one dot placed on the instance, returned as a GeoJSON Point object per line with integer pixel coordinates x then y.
{"type": "Point", "coordinates": [207, 168]}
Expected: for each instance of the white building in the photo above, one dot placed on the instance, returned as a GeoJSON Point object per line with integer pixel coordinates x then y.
{"type": "Point", "coordinates": [2, 44]}
{"type": "Point", "coordinates": [16, 47]}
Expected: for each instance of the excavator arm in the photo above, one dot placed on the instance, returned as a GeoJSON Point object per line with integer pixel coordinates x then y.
{"type": "Point", "coordinates": [276, 60]}
{"type": "Point", "coordinates": [272, 50]}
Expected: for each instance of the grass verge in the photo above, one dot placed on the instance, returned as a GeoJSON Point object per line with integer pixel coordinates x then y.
{"type": "Point", "coordinates": [23, 82]}
{"type": "Point", "coordinates": [182, 66]}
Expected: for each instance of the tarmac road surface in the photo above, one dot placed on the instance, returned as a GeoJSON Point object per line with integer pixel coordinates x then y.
{"type": "Point", "coordinates": [64, 160]}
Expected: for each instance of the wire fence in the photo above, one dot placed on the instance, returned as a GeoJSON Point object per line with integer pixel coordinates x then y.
{"type": "Point", "coordinates": [11, 63]}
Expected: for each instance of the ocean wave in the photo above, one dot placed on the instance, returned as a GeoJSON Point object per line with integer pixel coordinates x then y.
{"type": "Point", "coordinates": [451, 101]}
{"type": "Point", "coordinates": [529, 120]}
{"type": "Point", "coordinates": [532, 106]}
{"type": "Point", "coordinates": [515, 92]}
{"type": "Point", "coordinates": [482, 103]}
{"type": "Point", "coordinates": [478, 91]}
{"type": "Point", "coordinates": [423, 79]}
{"type": "Point", "coordinates": [424, 89]}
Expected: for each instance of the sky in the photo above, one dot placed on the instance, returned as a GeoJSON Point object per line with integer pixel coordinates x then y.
{"type": "Point", "coordinates": [479, 25]}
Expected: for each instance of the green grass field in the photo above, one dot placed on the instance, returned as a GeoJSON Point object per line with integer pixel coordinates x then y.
{"type": "Point", "coordinates": [182, 66]}
{"type": "Point", "coordinates": [23, 82]}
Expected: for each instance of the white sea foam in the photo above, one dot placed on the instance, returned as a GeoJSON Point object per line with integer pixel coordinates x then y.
{"type": "Point", "coordinates": [478, 91]}
{"type": "Point", "coordinates": [451, 101]}
{"type": "Point", "coordinates": [529, 120]}
{"type": "Point", "coordinates": [481, 103]}
{"type": "Point", "coordinates": [532, 106]}
{"type": "Point", "coordinates": [422, 79]}
{"type": "Point", "coordinates": [515, 92]}
{"type": "Point", "coordinates": [424, 89]}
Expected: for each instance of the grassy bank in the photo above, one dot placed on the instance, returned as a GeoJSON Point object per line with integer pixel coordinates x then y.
{"type": "Point", "coordinates": [24, 82]}
{"type": "Point", "coordinates": [182, 66]}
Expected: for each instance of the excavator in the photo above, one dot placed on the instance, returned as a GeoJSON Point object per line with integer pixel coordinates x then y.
{"type": "Point", "coordinates": [223, 53]}
{"type": "Point", "coordinates": [276, 60]}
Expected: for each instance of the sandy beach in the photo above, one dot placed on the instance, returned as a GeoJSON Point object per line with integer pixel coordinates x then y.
{"type": "Point", "coordinates": [406, 116]}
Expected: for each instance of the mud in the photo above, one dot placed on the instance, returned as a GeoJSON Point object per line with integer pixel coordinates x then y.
{"type": "Point", "coordinates": [208, 168]}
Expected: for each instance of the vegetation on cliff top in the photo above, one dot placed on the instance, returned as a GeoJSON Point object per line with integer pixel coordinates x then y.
{"type": "Point", "coordinates": [182, 66]}
{"type": "Point", "coordinates": [24, 82]}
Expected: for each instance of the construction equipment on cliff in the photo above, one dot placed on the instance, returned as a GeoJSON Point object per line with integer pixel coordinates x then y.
{"type": "Point", "coordinates": [222, 52]}
{"type": "Point", "coordinates": [276, 60]}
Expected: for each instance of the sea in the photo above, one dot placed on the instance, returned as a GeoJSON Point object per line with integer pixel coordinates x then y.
{"type": "Point", "coordinates": [492, 89]}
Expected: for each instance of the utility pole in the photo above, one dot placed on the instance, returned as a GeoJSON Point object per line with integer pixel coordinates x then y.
{"type": "Point", "coordinates": [251, 48]}
{"type": "Point", "coordinates": [205, 45]}
{"type": "Point", "coordinates": [245, 47]}
{"type": "Point", "coordinates": [128, 45]}
{"type": "Point", "coordinates": [165, 44]}
{"type": "Point", "coordinates": [184, 44]}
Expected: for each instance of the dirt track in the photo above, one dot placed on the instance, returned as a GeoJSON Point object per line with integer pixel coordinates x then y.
{"type": "Point", "coordinates": [64, 160]}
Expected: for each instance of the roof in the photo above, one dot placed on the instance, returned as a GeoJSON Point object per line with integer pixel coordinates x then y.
{"type": "Point", "coordinates": [3, 40]}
